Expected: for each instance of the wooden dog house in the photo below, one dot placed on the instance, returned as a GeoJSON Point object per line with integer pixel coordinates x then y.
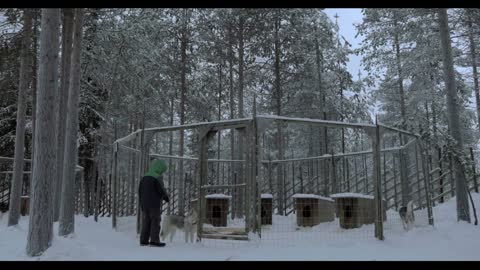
{"type": "Point", "coordinates": [313, 209]}
{"type": "Point", "coordinates": [266, 205]}
{"type": "Point", "coordinates": [217, 209]}
{"type": "Point", "coordinates": [355, 209]}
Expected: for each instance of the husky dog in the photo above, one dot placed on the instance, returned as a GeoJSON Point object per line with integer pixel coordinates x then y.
{"type": "Point", "coordinates": [171, 223]}
{"type": "Point", "coordinates": [190, 223]}
{"type": "Point", "coordinates": [407, 216]}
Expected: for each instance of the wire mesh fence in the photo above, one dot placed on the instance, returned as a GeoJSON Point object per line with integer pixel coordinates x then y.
{"type": "Point", "coordinates": [348, 195]}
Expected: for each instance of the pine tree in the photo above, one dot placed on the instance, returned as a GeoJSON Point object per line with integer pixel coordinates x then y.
{"type": "Point", "coordinates": [453, 116]}
{"type": "Point", "coordinates": [17, 180]}
{"type": "Point", "coordinates": [40, 230]}
{"type": "Point", "coordinates": [63, 99]}
{"type": "Point", "coordinates": [67, 214]}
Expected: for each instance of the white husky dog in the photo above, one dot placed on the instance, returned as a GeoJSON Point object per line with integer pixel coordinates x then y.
{"type": "Point", "coordinates": [190, 227]}
{"type": "Point", "coordinates": [407, 216]}
{"type": "Point", "coordinates": [171, 223]}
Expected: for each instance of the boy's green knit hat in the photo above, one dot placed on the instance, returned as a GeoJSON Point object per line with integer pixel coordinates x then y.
{"type": "Point", "coordinates": [157, 168]}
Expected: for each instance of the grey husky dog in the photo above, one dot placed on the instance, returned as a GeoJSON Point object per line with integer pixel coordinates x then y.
{"type": "Point", "coordinates": [407, 216]}
{"type": "Point", "coordinates": [188, 223]}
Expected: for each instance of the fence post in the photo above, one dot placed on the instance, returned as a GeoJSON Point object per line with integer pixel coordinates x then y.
{"type": "Point", "coordinates": [356, 172]}
{"type": "Point", "coordinates": [440, 182]}
{"type": "Point", "coordinates": [334, 176]}
{"type": "Point", "coordinates": [426, 183]}
{"type": "Point", "coordinates": [365, 185]}
{"type": "Point", "coordinates": [139, 175]}
{"type": "Point", "coordinates": [450, 162]}
{"type": "Point", "coordinates": [385, 176]}
{"type": "Point", "coordinates": [395, 181]}
{"type": "Point", "coordinates": [474, 170]}
{"type": "Point", "coordinates": [403, 178]}
{"type": "Point", "coordinates": [204, 137]}
{"type": "Point", "coordinates": [114, 189]}
{"type": "Point", "coordinates": [234, 196]}
{"type": "Point", "coordinates": [377, 177]}
{"type": "Point", "coordinates": [417, 175]}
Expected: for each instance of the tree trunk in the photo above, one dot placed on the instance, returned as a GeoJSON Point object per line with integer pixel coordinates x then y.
{"type": "Point", "coordinates": [323, 132]}
{"type": "Point", "coordinates": [322, 96]}
{"type": "Point", "coordinates": [40, 230]}
{"type": "Point", "coordinates": [401, 91]}
{"type": "Point", "coordinates": [67, 31]}
{"type": "Point", "coordinates": [34, 85]}
{"type": "Point", "coordinates": [406, 197]}
{"type": "Point", "coordinates": [219, 134]}
{"type": "Point", "coordinates": [183, 97]}
{"type": "Point", "coordinates": [67, 208]}
{"type": "Point", "coordinates": [232, 91]}
{"type": "Point", "coordinates": [278, 108]}
{"type": "Point", "coordinates": [239, 203]}
{"type": "Point", "coordinates": [453, 116]}
{"type": "Point", "coordinates": [170, 152]}
{"type": "Point", "coordinates": [17, 180]}
{"type": "Point", "coordinates": [474, 64]}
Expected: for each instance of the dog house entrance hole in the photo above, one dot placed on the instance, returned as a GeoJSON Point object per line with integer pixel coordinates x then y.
{"type": "Point", "coordinates": [348, 211]}
{"type": "Point", "coordinates": [307, 212]}
{"type": "Point", "coordinates": [217, 212]}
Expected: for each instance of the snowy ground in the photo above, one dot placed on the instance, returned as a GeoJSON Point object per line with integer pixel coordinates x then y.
{"type": "Point", "coordinates": [448, 240]}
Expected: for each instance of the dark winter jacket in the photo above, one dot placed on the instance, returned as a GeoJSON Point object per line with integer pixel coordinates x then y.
{"type": "Point", "coordinates": [151, 190]}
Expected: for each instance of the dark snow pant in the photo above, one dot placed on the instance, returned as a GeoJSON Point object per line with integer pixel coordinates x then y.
{"type": "Point", "coordinates": [150, 225]}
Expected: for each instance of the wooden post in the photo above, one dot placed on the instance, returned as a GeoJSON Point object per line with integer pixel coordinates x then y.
{"type": "Point", "coordinates": [426, 182]}
{"type": "Point", "coordinates": [270, 176]}
{"type": "Point", "coordinates": [452, 183]}
{"type": "Point", "coordinates": [140, 172]}
{"type": "Point", "coordinates": [365, 185]}
{"type": "Point", "coordinates": [429, 168]}
{"type": "Point", "coordinates": [403, 179]}
{"type": "Point", "coordinates": [474, 170]}
{"type": "Point", "coordinates": [325, 177]}
{"type": "Point", "coordinates": [234, 195]}
{"type": "Point", "coordinates": [248, 179]}
{"type": "Point", "coordinates": [395, 181]}
{"type": "Point", "coordinates": [385, 193]}
{"type": "Point", "coordinates": [318, 176]}
{"type": "Point", "coordinates": [204, 135]}
{"type": "Point", "coordinates": [133, 177]}
{"type": "Point", "coordinates": [241, 168]}
{"type": "Point", "coordinates": [257, 200]}
{"type": "Point", "coordinates": [377, 174]}
{"type": "Point", "coordinates": [440, 173]}
{"type": "Point", "coordinates": [114, 190]}
{"type": "Point", "coordinates": [348, 174]}
{"type": "Point", "coordinates": [417, 176]}
{"type": "Point", "coordinates": [334, 176]}
{"type": "Point", "coordinates": [356, 173]}
{"type": "Point", "coordinates": [284, 199]}
{"type": "Point", "coordinates": [97, 191]}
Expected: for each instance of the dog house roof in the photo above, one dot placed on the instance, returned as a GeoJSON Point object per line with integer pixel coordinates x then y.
{"type": "Point", "coordinates": [218, 196]}
{"type": "Point", "coordinates": [311, 196]}
{"type": "Point", "coordinates": [351, 195]}
{"type": "Point", "coordinates": [266, 196]}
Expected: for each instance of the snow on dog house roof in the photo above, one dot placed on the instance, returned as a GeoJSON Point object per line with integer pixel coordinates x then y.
{"type": "Point", "coordinates": [311, 196]}
{"type": "Point", "coordinates": [218, 196]}
{"type": "Point", "coordinates": [266, 196]}
{"type": "Point", "coordinates": [351, 195]}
